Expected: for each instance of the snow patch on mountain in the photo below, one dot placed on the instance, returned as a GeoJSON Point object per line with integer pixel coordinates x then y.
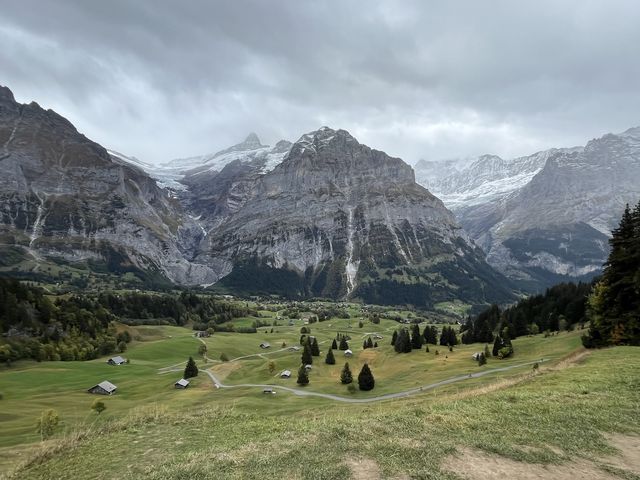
{"type": "Point", "coordinates": [170, 174]}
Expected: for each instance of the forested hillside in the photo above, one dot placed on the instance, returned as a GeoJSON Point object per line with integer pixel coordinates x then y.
{"type": "Point", "coordinates": [80, 327]}
{"type": "Point", "coordinates": [560, 308]}
{"type": "Point", "coordinates": [614, 305]}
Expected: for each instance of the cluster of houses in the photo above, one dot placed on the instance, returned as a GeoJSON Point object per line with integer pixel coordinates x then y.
{"type": "Point", "coordinates": [107, 388]}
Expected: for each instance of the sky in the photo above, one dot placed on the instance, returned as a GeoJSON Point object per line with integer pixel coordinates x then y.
{"type": "Point", "coordinates": [418, 79]}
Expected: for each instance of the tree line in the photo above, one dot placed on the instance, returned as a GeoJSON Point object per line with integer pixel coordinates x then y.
{"type": "Point", "coordinates": [613, 308]}
{"type": "Point", "coordinates": [609, 304]}
{"type": "Point", "coordinates": [80, 327]}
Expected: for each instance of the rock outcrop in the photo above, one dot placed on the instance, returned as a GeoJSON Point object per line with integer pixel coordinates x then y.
{"type": "Point", "coordinates": [547, 218]}
{"type": "Point", "coordinates": [325, 216]}
{"type": "Point", "coordinates": [64, 196]}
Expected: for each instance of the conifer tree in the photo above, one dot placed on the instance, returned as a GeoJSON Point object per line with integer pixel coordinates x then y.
{"type": "Point", "coordinates": [303, 376]}
{"type": "Point", "coordinates": [369, 343]}
{"type": "Point", "coordinates": [334, 345]}
{"type": "Point", "coordinates": [375, 345]}
{"type": "Point", "coordinates": [346, 375]}
{"type": "Point", "coordinates": [394, 337]}
{"type": "Point", "coordinates": [191, 370]}
{"type": "Point", "coordinates": [366, 381]}
{"type": "Point", "coordinates": [307, 357]}
{"type": "Point", "coordinates": [343, 344]}
{"type": "Point", "coordinates": [364, 344]}
{"type": "Point", "coordinates": [416, 337]}
{"type": "Point", "coordinates": [425, 334]}
{"type": "Point", "coordinates": [315, 348]}
{"type": "Point", "coordinates": [403, 342]}
{"type": "Point", "coordinates": [614, 305]}
{"type": "Point", "coordinates": [482, 360]}
{"type": "Point", "coordinates": [330, 359]}
{"type": "Point", "coordinates": [434, 335]}
{"type": "Point", "coordinates": [497, 345]}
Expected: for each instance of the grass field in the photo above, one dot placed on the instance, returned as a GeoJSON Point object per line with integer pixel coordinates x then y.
{"type": "Point", "coordinates": [157, 361]}
{"type": "Point", "coordinates": [568, 416]}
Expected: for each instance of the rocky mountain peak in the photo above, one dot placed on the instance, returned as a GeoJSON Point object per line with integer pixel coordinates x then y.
{"type": "Point", "coordinates": [335, 156]}
{"type": "Point", "coordinates": [251, 142]}
{"type": "Point", "coordinates": [6, 95]}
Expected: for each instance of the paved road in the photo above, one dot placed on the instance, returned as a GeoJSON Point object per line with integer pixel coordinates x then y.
{"type": "Point", "coordinates": [388, 396]}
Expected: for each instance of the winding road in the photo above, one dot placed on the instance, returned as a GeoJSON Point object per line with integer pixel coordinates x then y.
{"type": "Point", "coordinates": [388, 396]}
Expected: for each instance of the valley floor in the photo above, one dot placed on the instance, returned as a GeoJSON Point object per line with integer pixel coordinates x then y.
{"type": "Point", "coordinates": [578, 418]}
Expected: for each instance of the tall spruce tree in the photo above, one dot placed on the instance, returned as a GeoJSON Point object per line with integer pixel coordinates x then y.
{"type": "Point", "coordinates": [303, 376]}
{"type": "Point", "coordinates": [334, 345]}
{"type": "Point", "coordinates": [433, 335]}
{"type": "Point", "coordinates": [191, 370]}
{"type": "Point", "coordinates": [416, 338]}
{"type": "Point", "coordinates": [394, 337]}
{"type": "Point", "coordinates": [307, 357]}
{"type": "Point", "coordinates": [346, 376]}
{"type": "Point", "coordinates": [330, 359]}
{"type": "Point", "coordinates": [370, 343]}
{"type": "Point", "coordinates": [614, 304]}
{"type": "Point", "coordinates": [343, 344]}
{"type": "Point", "coordinates": [497, 345]}
{"type": "Point", "coordinates": [403, 342]}
{"type": "Point", "coordinates": [366, 381]}
{"type": "Point", "coordinates": [315, 348]}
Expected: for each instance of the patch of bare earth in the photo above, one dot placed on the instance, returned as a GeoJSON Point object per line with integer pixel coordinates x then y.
{"type": "Point", "coordinates": [367, 469]}
{"type": "Point", "coordinates": [473, 464]}
{"type": "Point", "coordinates": [363, 469]}
{"type": "Point", "coordinates": [629, 458]}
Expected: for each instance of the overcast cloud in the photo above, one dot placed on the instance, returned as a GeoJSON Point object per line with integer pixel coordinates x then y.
{"type": "Point", "coordinates": [418, 79]}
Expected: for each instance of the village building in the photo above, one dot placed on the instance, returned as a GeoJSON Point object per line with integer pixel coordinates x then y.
{"type": "Point", "coordinates": [116, 360]}
{"type": "Point", "coordinates": [103, 388]}
{"type": "Point", "coordinates": [182, 383]}
{"type": "Point", "coordinates": [265, 345]}
{"type": "Point", "coordinates": [348, 353]}
{"type": "Point", "coordinates": [286, 374]}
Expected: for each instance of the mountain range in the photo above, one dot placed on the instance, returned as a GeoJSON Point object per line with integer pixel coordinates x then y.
{"type": "Point", "coordinates": [546, 217]}
{"type": "Point", "coordinates": [324, 216]}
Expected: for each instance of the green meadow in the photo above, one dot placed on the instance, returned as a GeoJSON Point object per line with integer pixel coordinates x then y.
{"type": "Point", "coordinates": [233, 428]}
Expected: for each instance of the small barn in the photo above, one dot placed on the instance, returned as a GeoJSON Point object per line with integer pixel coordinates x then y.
{"type": "Point", "coordinates": [270, 391]}
{"type": "Point", "coordinates": [308, 367]}
{"type": "Point", "coordinates": [182, 383]}
{"type": "Point", "coordinates": [103, 388]}
{"type": "Point", "coordinates": [348, 353]}
{"type": "Point", "coordinates": [286, 374]}
{"type": "Point", "coordinates": [265, 345]}
{"type": "Point", "coordinates": [116, 360]}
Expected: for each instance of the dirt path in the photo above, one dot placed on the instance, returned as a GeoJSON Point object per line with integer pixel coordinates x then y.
{"type": "Point", "coordinates": [406, 393]}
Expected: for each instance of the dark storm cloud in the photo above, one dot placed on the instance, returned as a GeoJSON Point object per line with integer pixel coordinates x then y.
{"type": "Point", "coordinates": [418, 79]}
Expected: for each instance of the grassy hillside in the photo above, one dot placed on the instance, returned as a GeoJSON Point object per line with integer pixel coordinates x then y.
{"type": "Point", "coordinates": [558, 417]}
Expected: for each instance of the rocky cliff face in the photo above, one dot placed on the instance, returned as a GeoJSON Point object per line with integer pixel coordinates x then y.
{"type": "Point", "coordinates": [64, 196]}
{"type": "Point", "coordinates": [547, 217]}
{"type": "Point", "coordinates": [325, 216]}
{"type": "Point", "coordinates": [337, 218]}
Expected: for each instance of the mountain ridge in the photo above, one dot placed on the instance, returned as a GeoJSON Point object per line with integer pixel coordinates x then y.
{"type": "Point", "coordinates": [331, 217]}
